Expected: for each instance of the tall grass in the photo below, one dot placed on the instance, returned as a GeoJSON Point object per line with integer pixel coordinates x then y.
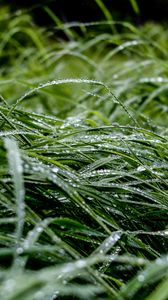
{"type": "Point", "coordinates": [83, 173]}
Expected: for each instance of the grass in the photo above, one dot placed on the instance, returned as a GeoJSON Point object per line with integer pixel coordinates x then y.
{"type": "Point", "coordinates": [83, 173]}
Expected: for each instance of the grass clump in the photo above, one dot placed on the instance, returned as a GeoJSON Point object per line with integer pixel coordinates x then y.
{"type": "Point", "coordinates": [83, 173]}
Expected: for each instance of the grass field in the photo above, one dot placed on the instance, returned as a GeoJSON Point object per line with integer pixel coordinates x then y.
{"type": "Point", "coordinates": [83, 160]}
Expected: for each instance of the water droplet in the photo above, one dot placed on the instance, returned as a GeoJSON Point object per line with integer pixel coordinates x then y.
{"type": "Point", "coordinates": [39, 229]}
{"type": "Point", "coordinates": [141, 278]}
{"type": "Point", "coordinates": [140, 169]}
{"type": "Point", "coordinates": [19, 250]}
{"type": "Point", "coordinates": [80, 264]}
{"type": "Point", "coordinates": [55, 169]}
{"type": "Point", "coordinates": [109, 243]}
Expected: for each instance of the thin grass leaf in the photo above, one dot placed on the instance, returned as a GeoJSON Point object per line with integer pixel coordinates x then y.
{"type": "Point", "coordinates": [16, 171]}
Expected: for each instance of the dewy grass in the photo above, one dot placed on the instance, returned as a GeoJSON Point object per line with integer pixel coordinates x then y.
{"type": "Point", "coordinates": [83, 172]}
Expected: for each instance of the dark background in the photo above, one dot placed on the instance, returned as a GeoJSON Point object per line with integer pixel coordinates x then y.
{"type": "Point", "coordinates": [88, 10]}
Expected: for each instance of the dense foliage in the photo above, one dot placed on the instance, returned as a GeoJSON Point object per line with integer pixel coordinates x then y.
{"type": "Point", "coordinates": [83, 173]}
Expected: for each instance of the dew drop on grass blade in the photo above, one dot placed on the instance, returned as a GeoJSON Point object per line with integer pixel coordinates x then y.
{"type": "Point", "coordinates": [109, 242]}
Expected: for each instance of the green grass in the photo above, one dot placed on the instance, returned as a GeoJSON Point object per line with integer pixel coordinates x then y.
{"type": "Point", "coordinates": [83, 173]}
